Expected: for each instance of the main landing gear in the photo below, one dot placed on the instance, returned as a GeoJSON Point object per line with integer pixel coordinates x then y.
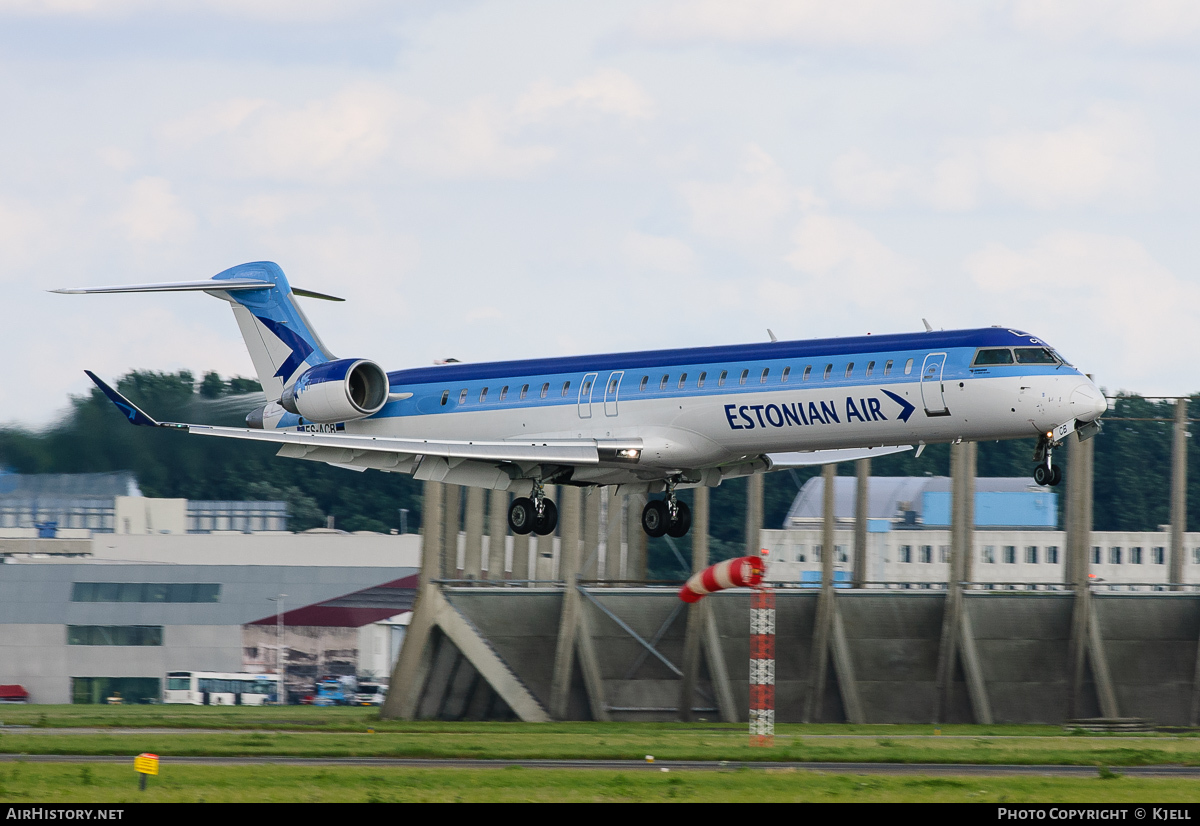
{"type": "Point", "coordinates": [667, 516]}
{"type": "Point", "coordinates": [536, 514]}
{"type": "Point", "coordinates": [1045, 472]}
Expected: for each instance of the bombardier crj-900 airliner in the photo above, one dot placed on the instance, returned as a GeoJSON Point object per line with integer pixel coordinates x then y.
{"type": "Point", "coordinates": [650, 422]}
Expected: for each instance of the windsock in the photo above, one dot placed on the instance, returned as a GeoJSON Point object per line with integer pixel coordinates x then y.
{"type": "Point", "coordinates": [743, 572]}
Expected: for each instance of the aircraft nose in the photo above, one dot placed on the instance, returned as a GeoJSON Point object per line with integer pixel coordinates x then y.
{"type": "Point", "coordinates": [1088, 402]}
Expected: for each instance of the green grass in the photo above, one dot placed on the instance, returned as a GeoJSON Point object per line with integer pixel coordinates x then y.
{"type": "Point", "coordinates": [75, 783]}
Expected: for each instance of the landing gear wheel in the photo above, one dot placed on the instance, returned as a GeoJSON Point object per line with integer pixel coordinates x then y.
{"type": "Point", "coordinates": [1042, 475]}
{"type": "Point", "coordinates": [521, 516]}
{"type": "Point", "coordinates": [682, 522]}
{"type": "Point", "coordinates": [545, 522]}
{"type": "Point", "coordinates": [1055, 475]}
{"type": "Point", "coordinates": [655, 518]}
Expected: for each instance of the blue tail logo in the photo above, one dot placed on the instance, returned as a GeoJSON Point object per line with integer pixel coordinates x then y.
{"type": "Point", "coordinates": [906, 409]}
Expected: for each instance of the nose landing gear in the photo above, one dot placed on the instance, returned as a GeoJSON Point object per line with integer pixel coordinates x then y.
{"type": "Point", "coordinates": [1045, 472]}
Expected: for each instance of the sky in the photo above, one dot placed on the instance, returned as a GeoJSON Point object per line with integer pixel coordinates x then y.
{"type": "Point", "coordinates": [523, 179]}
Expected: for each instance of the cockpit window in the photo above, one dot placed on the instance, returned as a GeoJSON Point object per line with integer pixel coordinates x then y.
{"type": "Point", "coordinates": [992, 355]}
{"type": "Point", "coordinates": [1035, 355]}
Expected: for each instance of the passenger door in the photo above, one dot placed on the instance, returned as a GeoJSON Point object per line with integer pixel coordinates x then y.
{"type": "Point", "coordinates": [611, 389]}
{"type": "Point", "coordinates": [585, 396]}
{"type": "Point", "coordinates": [932, 389]}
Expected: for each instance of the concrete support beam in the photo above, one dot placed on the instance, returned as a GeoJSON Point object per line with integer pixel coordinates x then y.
{"type": "Point", "coordinates": [981, 706]}
{"type": "Point", "coordinates": [823, 628]}
{"type": "Point", "coordinates": [953, 604]}
{"type": "Point", "coordinates": [432, 504]}
{"type": "Point", "coordinates": [614, 520]}
{"type": "Point", "coordinates": [592, 499]}
{"type": "Point", "coordinates": [718, 671]}
{"type": "Point", "coordinates": [695, 615]}
{"type": "Point", "coordinates": [862, 470]}
{"type": "Point", "coordinates": [967, 570]}
{"type": "Point", "coordinates": [520, 559]}
{"type": "Point", "coordinates": [452, 506]}
{"type": "Point", "coordinates": [568, 626]}
{"type": "Point", "coordinates": [754, 513]}
{"type": "Point", "coordinates": [1079, 533]}
{"type": "Point", "coordinates": [473, 553]}
{"type": "Point", "coordinates": [497, 533]}
{"type": "Point", "coordinates": [635, 539]}
{"type": "Point", "coordinates": [844, 667]}
{"type": "Point", "coordinates": [1178, 493]}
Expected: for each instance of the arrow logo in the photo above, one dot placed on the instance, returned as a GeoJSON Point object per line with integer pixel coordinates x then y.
{"type": "Point", "coordinates": [906, 409]}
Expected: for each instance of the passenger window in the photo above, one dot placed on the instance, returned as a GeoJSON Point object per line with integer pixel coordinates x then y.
{"type": "Point", "coordinates": [721, 378]}
{"type": "Point", "coordinates": [545, 389]}
{"type": "Point", "coordinates": [742, 378]}
{"type": "Point", "coordinates": [483, 395]}
{"type": "Point", "coordinates": [828, 371]}
{"type": "Point", "coordinates": [662, 383]}
{"type": "Point", "coordinates": [503, 393]}
{"type": "Point", "coordinates": [524, 391]}
{"type": "Point", "coordinates": [870, 368]}
{"type": "Point", "coordinates": [908, 367]}
{"type": "Point", "coordinates": [1035, 355]}
{"type": "Point", "coordinates": [763, 378]}
{"type": "Point", "coordinates": [887, 368]}
{"type": "Point", "coordinates": [462, 397]}
{"type": "Point", "coordinates": [566, 387]}
{"type": "Point", "coordinates": [993, 355]}
{"type": "Point", "coordinates": [849, 369]}
{"type": "Point", "coordinates": [700, 381]}
{"type": "Point", "coordinates": [642, 386]}
{"type": "Point", "coordinates": [445, 397]}
{"type": "Point", "coordinates": [682, 379]}
{"type": "Point", "coordinates": [587, 386]}
{"type": "Point", "coordinates": [612, 386]}
{"type": "Point", "coordinates": [787, 371]}
{"type": "Point", "coordinates": [807, 372]}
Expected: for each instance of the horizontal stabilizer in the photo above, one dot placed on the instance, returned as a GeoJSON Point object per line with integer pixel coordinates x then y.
{"type": "Point", "coordinates": [806, 458]}
{"type": "Point", "coordinates": [210, 284]}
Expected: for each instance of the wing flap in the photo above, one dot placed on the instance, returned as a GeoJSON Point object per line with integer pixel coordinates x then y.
{"type": "Point", "coordinates": [807, 458]}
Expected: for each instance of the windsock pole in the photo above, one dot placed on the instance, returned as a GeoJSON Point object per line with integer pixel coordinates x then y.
{"type": "Point", "coordinates": [762, 664]}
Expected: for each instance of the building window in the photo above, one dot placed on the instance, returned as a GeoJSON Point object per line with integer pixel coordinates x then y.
{"type": "Point", "coordinates": [1196, 556]}
{"type": "Point", "coordinates": [943, 553]}
{"type": "Point", "coordinates": [1158, 555]}
{"type": "Point", "coordinates": [989, 554]}
{"type": "Point", "coordinates": [1135, 556]}
{"type": "Point", "coordinates": [1096, 557]}
{"type": "Point", "coordinates": [1010, 554]}
{"type": "Point", "coordinates": [798, 553]}
{"type": "Point", "coordinates": [927, 553]}
{"type": "Point", "coordinates": [114, 635]}
{"type": "Point", "coordinates": [1052, 554]}
{"type": "Point", "coordinates": [839, 553]}
{"type": "Point", "coordinates": [906, 553]}
{"type": "Point", "coordinates": [1114, 556]}
{"type": "Point", "coordinates": [816, 553]}
{"type": "Point", "coordinates": [145, 592]}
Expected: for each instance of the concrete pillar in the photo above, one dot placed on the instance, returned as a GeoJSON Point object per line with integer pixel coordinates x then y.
{"type": "Point", "coordinates": [861, 509]}
{"type": "Point", "coordinates": [431, 531]}
{"type": "Point", "coordinates": [828, 539]}
{"type": "Point", "coordinates": [695, 611]}
{"type": "Point", "coordinates": [635, 538]}
{"type": "Point", "coordinates": [614, 519]}
{"type": "Point", "coordinates": [1079, 536]}
{"type": "Point", "coordinates": [960, 497]}
{"type": "Point", "coordinates": [823, 627]}
{"type": "Point", "coordinates": [967, 569]}
{"type": "Point", "coordinates": [452, 503]}
{"type": "Point", "coordinates": [520, 558]}
{"type": "Point", "coordinates": [497, 533]}
{"type": "Point", "coordinates": [570, 518]}
{"type": "Point", "coordinates": [592, 499]}
{"type": "Point", "coordinates": [544, 553]}
{"type": "Point", "coordinates": [754, 513]}
{"type": "Point", "coordinates": [473, 553]}
{"type": "Point", "coordinates": [1178, 493]}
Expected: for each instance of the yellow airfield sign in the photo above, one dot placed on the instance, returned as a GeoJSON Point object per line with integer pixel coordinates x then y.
{"type": "Point", "coordinates": [146, 763]}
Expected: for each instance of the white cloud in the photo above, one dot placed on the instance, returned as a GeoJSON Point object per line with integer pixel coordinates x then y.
{"type": "Point", "coordinates": [849, 264]}
{"type": "Point", "coordinates": [24, 231]}
{"type": "Point", "coordinates": [1103, 299]}
{"type": "Point", "coordinates": [153, 212]}
{"type": "Point", "coordinates": [748, 208]}
{"type": "Point", "coordinates": [658, 253]}
{"type": "Point", "coordinates": [1133, 22]}
{"type": "Point", "coordinates": [607, 91]}
{"type": "Point", "coordinates": [282, 10]}
{"type": "Point", "coordinates": [862, 182]}
{"type": "Point", "coordinates": [806, 22]}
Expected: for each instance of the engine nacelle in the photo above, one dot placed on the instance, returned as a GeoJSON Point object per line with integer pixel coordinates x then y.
{"type": "Point", "coordinates": [338, 391]}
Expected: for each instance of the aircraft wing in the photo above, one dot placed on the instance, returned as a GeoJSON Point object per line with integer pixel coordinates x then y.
{"type": "Point", "coordinates": [805, 458]}
{"type": "Point", "coordinates": [572, 451]}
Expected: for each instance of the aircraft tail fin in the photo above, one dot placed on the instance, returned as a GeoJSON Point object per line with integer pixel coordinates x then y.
{"type": "Point", "coordinates": [281, 340]}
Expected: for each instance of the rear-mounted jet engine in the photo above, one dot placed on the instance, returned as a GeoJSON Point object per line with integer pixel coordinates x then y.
{"type": "Point", "coordinates": [338, 391]}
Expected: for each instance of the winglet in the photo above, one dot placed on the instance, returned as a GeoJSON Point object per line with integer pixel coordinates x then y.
{"type": "Point", "coordinates": [131, 410]}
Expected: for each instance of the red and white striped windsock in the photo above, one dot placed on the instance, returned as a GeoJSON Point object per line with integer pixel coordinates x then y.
{"type": "Point", "coordinates": [743, 572]}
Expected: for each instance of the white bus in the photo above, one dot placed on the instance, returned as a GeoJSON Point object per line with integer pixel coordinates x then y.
{"type": "Point", "coordinates": [218, 688]}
